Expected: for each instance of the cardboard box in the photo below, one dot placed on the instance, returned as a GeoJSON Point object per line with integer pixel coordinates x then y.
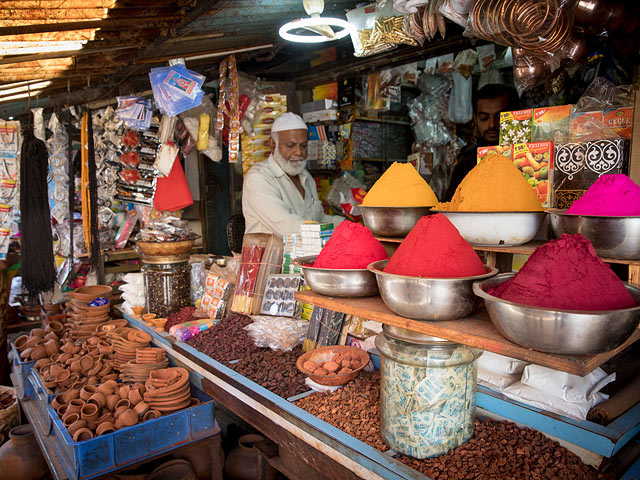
{"type": "Point", "coordinates": [317, 105]}
{"type": "Point", "coordinates": [551, 122]}
{"type": "Point", "coordinates": [515, 126]}
{"type": "Point", "coordinates": [586, 125]}
{"type": "Point", "coordinates": [535, 161]}
{"type": "Point", "coordinates": [505, 150]}
{"type": "Point", "coordinates": [321, 116]}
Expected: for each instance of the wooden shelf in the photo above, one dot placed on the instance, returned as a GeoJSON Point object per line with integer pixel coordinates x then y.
{"type": "Point", "coordinates": [475, 331]}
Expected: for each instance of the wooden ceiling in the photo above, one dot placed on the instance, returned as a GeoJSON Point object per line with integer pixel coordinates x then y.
{"type": "Point", "coordinates": [96, 49]}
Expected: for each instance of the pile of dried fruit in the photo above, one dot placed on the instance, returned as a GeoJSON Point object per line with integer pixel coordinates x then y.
{"type": "Point", "coordinates": [275, 370]}
{"type": "Point", "coordinates": [227, 341]}
{"type": "Point", "coordinates": [497, 449]}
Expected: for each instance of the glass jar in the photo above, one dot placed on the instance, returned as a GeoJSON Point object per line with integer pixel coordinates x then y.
{"type": "Point", "coordinates": [167, 283]}
{"type": "Point", "coordinates": [427, 392]}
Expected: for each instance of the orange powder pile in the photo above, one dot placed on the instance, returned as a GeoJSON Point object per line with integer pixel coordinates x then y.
{"type": "Point", "coordinates": [400, 186]}
{"type": "Point", "coordinates": [494, 185]}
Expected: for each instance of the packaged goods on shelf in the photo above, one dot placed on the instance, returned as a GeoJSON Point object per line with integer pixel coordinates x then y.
{"type": "Point", "coordinates": [515, 126]}
{"type": "Point", "coordinates": [321, 115]}
{"type": "Point", "coordinates": [618, 121]}
{"type": "Point", "coordinates": [535, 161]}
{"type": "Point", "coordinates": [551, 122]}
{"type": "Point", "coordinates": [505, 150]}
{"type": "Point", "coordinates": [325, 104]}
{"type": "Point", "coordinates": [325, 327]}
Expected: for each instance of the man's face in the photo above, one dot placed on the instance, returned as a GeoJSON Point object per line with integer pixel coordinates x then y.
{"type": "Point", "coordinates": [487, 117]}
{"type": "Point", "coordinates": [290, 150]}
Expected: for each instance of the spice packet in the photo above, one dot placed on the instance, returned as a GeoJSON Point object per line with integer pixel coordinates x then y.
{"type": "Point", "coordinates": [505, 150]}
{"type": "Point", "coordinates": [515, 126]}
{"type": "Point", "coordinates": [618, 121]}
{"type": "Point", "coordinates": [550, 123]}
{"type": "Point", "coordinates": [535, 161]}
{"type": "Point", "coordinates": [185, 331]}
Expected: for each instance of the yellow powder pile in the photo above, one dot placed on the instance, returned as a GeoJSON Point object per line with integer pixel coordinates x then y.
{"type": "Point", "coordinates": [401, 186]}
{"type": "Point", "coordinates": [494, 185]}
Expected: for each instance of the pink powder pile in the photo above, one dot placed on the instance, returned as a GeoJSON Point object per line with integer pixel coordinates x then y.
{"type": "Point", "coordinates": [610, 196]}
{"type": "Point", "coordinates": [566, 274]}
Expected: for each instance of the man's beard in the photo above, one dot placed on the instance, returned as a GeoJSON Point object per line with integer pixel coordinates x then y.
{"type": "Point", "coordinates": [294, 166]}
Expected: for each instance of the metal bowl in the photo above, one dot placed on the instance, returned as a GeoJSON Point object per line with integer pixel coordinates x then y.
{"type": "Point", "coordinates": [392, 221]}
{"type": "Point", "coordinates": [496, 228]}
{"type": "Point", "coordinates": [612, 237]}
{"type": "Point", "coordinates": [566, 332]}
{"type": "Point", "coordinates": [427, 298]}
{"type": "Point", "coordinates": [335, 282]}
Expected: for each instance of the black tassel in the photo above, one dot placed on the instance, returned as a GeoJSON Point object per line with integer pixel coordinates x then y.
{"type": "Point", "coordinates": [93, 196]}
{"type": "Point", "coordinates": [38, 270]}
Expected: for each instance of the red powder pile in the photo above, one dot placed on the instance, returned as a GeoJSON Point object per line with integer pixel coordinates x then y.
{"type": "Point", "coordinates": [435, 249]}
{"type": "Point", "coordinates": [352, 246]}
{"type": "Point", "coordinates": [566, 274]}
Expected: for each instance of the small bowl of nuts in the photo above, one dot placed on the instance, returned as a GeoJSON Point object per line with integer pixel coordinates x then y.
{"type": "Point", "coordinates": [333, 365]}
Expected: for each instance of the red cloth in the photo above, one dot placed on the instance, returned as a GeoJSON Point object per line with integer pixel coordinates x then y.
{"type": "Point", "coordinates": [172, 192]}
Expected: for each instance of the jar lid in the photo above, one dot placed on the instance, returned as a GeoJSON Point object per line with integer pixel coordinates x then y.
{"type": "Point", "coordinates": [158, 260]}
{"type": "Point", "coordinates": [414, 337]}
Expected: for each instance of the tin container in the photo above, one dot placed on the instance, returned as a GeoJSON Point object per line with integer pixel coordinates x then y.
{"type": "Point", "coordinates": [427, 392]}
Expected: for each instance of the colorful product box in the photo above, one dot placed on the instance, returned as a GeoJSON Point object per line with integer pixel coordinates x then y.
{"type": "Point", "coordinates": [551, 122]}
{"type": "Point", "coordinates": [586, 125]}
{"type": "Point", "coordinates": [494, 150]}
{"type": "Point", "coordinates": [619, 121]}
{"type": "Point", "coordinates": [515, 126]}
{"type": "Point", "coordinates": [535, 161]}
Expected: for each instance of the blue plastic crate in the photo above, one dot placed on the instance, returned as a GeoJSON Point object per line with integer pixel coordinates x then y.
{"type": "Point", "coordinates": [42, 398]}
{"type": "Point", "coordinates": [21, 371]}
{"type": "Point", "coordinates": [100, 455]}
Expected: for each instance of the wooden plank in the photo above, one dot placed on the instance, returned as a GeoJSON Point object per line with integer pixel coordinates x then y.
{"type": "Point", "coordinates": [475, 331]}
{"type": "Point", "coordinates": [634, 157]}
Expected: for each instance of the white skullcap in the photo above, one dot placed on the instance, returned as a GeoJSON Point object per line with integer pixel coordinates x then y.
{"type": "Point", "coordinates": [288, 121]}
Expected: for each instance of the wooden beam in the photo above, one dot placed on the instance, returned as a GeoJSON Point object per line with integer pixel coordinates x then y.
{"type": "Point", "coordinates": [107, 23]}
{"type": "Point", "coordinates": [10, 60]}
{"type": "Point", "coordinates": [634, 156]}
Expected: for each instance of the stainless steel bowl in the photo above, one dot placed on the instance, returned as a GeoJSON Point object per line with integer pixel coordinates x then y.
{"type": "Point", "coordinates": [392, 221]}
{"type": "Point", "coordinates": [566, 332]}
{"type": "Point", "coordinates": [612, 237]}
{"type": "Point", "coordinates": [427, 298]}
{"type": "Point", "coordinates": [337, 282]}
{"type": "Point", "coordinates": [496, 228]}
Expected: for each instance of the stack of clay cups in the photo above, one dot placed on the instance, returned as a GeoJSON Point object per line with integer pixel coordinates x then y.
{"type": "Point", "coordinates": [125, 342]}
{"type": "Point", "coordinates": [168, 390]}
{"type": "Point", "coordinates": [147, 360]}
{"type": "Point", "coordinates": [40, 343]}
{"type": "Point", "coordinates": [84, 319]}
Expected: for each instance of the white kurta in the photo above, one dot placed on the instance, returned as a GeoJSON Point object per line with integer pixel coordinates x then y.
{"type": "Point", "coordinates": [271, 203]}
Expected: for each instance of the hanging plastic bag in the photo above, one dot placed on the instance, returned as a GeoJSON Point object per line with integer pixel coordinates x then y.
{"type": "Point", "coordinates": [176, 88]}
{"type": "Point", "coordinates": [460, 105]}
{"type": "Point", "coordinates": [365, 42]}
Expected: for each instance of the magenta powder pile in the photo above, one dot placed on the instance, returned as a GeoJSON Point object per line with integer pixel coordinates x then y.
{"type": "Point", "coordinates": [610, 196]}
{"type": "Point", "coordinates": [566, 274]}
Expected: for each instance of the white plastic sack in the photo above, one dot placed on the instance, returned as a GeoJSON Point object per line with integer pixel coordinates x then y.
{"type": "Point", "coordinates": [543, 400]}
{"type": "Point", "coordinates": [132, 289]}
{"type": "Point", "coordinates": [571, 388]}
{"type": "Point", "coordinates": [135, 300]}
{"type": "Point", "coordinates": [460, 104]}
{"type": "Point", "coordinates": [126, 307]}
{"type": "Point", "coordinates": [134, 278]}
{"type": "Point", "coordinates": [496, 381]}
{"type": "Point", "coordinates": [500, 364]}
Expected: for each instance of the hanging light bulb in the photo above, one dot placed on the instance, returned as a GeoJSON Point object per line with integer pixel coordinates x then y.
{"type": "Point", "coordinates": [321, 26]}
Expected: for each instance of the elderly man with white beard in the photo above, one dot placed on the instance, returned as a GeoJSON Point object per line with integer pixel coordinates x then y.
{"type": "Point", "coordinates": [279, 194]}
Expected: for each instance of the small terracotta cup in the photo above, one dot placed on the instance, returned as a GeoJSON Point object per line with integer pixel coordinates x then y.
{"type": "Point", "coordinates": [38, 332]}
{"type": "Point", "coordinates": [99, 399]}
{"type": "Point", "coordinates": [77, 425]}
{"type": "Point", "coordinates": [89, 412]}
{"type": "Point", "coordinates": [123, 402]}
{"type": "Point", "coordinates": [75, 405]}
{"type": "Point", "coordinates": [119, 411]}
{"type": "Point", "coordinates": [150, 415]}
{"type": "Point", "coordinates": [105, 428]}
{"type": "Point", "coordinates": [112, 400]}
{"type": "Point", "coordinates": [87, 391]}
{"type": "Point", "coordinates": [82, 434]}
{"type": "Point", "coordinates": [61, 410]}
{"type": "Point", "coordinates": [75, 366]}
{"type": "Point", "coordinates": [70, 418]}
{"type": "Point", "coordinates": [134, 397]}
{"type": "Point", "coordinates": [62, 376]}
{"type": "Point", "coordinates": [58, 401]}
{"type": "Point", "coordinates": [71, 395]}
{"type": "Point", "coordinates": [86, 362]}
{"type": "Point", "coordinates": [105, 389]}
{"type": "Point", "coordinates": [20, 343]}
{"type": "Point", "coordinates": [124, 391]}
{"type": "Point", "coordinates": [141, 408]}
{"type": "Point", "coordinates": [128, 417]}
{"type": "Point", "coordinates": [106, 417]}
{"type": "Point", "coordinates": [38, 352]}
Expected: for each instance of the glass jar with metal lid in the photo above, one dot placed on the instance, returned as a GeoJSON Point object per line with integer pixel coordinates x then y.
{"type": "Point", "coordinates": [427, 392]}
{"type": "Point", "coordinates": [167, 283]}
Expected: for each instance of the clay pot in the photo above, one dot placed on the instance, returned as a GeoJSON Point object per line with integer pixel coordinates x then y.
{"type": "Point", "coordinates": [128, 418]}
{"type": "Point", "coordinates": [51, 336]}
{"type": "Point", "coordinates": [105, 428]}
{"type": "Point", "coordinates": [58, 401]}
{"type": "Point", "coordinates": [110, 377]}
{"type": "Point", "coordinates": [38, 352]}
{"type": "Point", "coordinates": [86, 363]}
{"type": "Point", "coordinates": [112, 401]}
{"type": "Point", "coordinates": [82, 434]}
{"type": "Point", "coordinates": [56, 326]}
{"type": "Point", "coordinates": [77, 425]}
{"type": "Point", "coordinates": [52, 347]}
{"type": "Point", "coordinates": [20, 457]}
{"type": "Point", "coordinates": [20, 343]}
{"type": "Point", "coordinates": [70, 395]}
{"type": "Point", "coordinates": [74, 406]}
{"type": "Point", "coordinates": [106, 390]}
{"type": "Point", "coordinates": [61, 410]}
{"type": "Point", "coordinates": [70, 418]}
{"type": "Point", "coordinates": [134, 397]}
{"type": "Point", "coordinates": [87, 391]}
{"type": "Point", "coordinates": [38, 332]}
{"type": "Point", "coordinates": [75, 366]}
{"type": "Point", "coordinates": [105, 418]}
{"type": "Point", "coordinates": [98, 399]}
{"type": "Point", "coordinates": [119, 411]}
{"type": "Point", "coordinates": [62, 376]}
{"type": "Point", "coordinates": [124, 391]}
{"type": "Point", "coordinates": [26, 353]}
{"type": "Point", "coordinates": [151, 415]}
{"type": "Point", "coordinates": [92, 380]}
{"type": "Point", "coordinates": [89, 412]}
{"type": "Point", "coordinates": [141, 408]}
{"type": "Point", "coordinates": [42, 363]}
{"type": "Point", "coordinates": [113, 384]}
{"type": "Point", "coordinates": [105, 349]}
{"type": "Point", "coordinates": [242, 462]}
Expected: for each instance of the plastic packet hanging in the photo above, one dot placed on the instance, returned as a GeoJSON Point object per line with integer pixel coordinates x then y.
{"type": "Point", "coordinates": [176, 88]}
{"type": "Point", "coordinates": [365, 42]}
{"type": "Point", "coordinates": [486, 56]}
{"type": "Point", "coordinates": [389, 25]}
{"type": "Point", "coordinates": [191, 120]}
{"type": "Point", "coordinates": [277, 333]}
{"type": "Point", "coordinates": [456, 10]}
{"type": "Point", "coordinates": [167, 128]}
{"type": "Point", "coordinates": [198, 279]}
{"type": "Point", "coordinates": [460, 105]}
{"type": "Point", "coordinates": [135, 112]}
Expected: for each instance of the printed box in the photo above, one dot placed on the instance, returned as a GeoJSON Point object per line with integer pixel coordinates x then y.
{"type": "Point", "coordinates": [515, 126]}
{"type": "Point", "coordinates": [535, 161]}
{"type": "Point", "coordinates": [551, 122]}
{"type": "Point", "coordinates": [494, 150]}
{"type": "Point", "coordinates": [619, 121]}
